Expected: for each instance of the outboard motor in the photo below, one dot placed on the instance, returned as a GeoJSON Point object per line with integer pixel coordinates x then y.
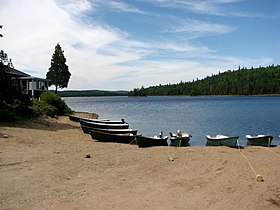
{"type": "Point", "coordinates": [179, 133]}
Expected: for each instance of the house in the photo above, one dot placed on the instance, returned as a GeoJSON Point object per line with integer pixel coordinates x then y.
{"type": "Point", "coordinates": [30, 85]}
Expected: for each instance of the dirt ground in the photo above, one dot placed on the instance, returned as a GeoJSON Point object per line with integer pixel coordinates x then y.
{"type": "Point", "coordinates": [44, 165]}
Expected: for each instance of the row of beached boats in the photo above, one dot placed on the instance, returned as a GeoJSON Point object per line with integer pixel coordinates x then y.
{"type": "Point", "coordinates": [104, 130]}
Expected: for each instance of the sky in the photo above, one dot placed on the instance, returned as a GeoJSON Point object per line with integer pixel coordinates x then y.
{"type": "Point", "coordinates": [125, 44]}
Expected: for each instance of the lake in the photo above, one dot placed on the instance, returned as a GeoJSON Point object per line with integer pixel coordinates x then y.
{"type": "Point", "coordinates": [197, 115]}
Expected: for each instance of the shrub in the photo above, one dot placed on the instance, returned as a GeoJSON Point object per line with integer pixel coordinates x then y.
{"type": "Point", "coordinates": [7, 112]}
{"type": "Point", "coordinates": [42, 108]}
{"type": "Point", "coordinates": [56, 102]}
{"type": "Point", "coordinates": [13, 110]}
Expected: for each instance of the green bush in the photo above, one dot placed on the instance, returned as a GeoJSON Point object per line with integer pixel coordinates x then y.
{"type": "Point", "coordinates": [13, 110]}
{"type": "Point", "coordinates": [58, 105]}
{"type": "Point", "coordinates": [48, 104]}
{"type": "Point", "coordinates": [42, 108]}
{"type": "Point", "coordinates": [7, 112]}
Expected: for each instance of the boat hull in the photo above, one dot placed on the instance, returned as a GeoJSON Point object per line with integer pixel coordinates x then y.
{"type": "Point", "coordinates": [229, 141]}
{"type": "Point", "coordinates": [108, 137]}
{"type": "Point", "coordinates": [179, 142]}
{"type": "Point", "coordinates": [87, 130]}
{"type": "Point", "coordinates": [142, 141]}
{"type": "Point", "coordinates": [104, 125]}
{"type": "Point", "coordinates": [105, 121]}
{"type": "Point", "coordinates": [264, 141]}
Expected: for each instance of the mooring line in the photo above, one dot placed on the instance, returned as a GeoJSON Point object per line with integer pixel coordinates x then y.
{"type": "Point", "coordinates": [259, 177]}
{"type": "Point", "coordinates": [272, 152]}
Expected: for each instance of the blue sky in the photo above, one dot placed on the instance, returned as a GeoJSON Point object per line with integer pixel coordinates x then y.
{"type": "Point", "coordinates": [120, 45]}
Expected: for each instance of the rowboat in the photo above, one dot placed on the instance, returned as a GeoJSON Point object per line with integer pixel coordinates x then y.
{"type": "Point", "coordinates": [87, 130]}
{"type": "Point", "coordinates": [143, 141]}
{"type": "Point", "coordinates": [106, 121]}
{"type": "Point", "coordinates": [259, 140]}
{"type": "Point", "coordinates": [74, 118]}
{"type": "Point", "coordinates": [77, 118]}
{"type": "Point", "coordinates": [103, 125]}
{"type": "Point", "coordinates": [109, 137]}
{"type": "Point", "coordinates": [222, 140]}
{"type": "Point", "coordinates": [179, 139]}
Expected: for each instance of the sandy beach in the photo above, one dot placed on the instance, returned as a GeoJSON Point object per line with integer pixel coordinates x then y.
{"type": "Point", "coordinates": [44, 165]}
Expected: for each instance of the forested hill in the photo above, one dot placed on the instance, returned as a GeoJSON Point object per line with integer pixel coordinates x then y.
{"type": "Point", "coordinates": [254, 81]}
{"type": "Point", "coordinates": [88, 93]}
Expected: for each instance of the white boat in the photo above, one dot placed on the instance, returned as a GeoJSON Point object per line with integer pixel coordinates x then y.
{"type": "Point", "coordinates": [259, 140]}
{"type": "Point", "coordinates": [179, 139]}
{"type": "Point", "coordinates": [222, 140]}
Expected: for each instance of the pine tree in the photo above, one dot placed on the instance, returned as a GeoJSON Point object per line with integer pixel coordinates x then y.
{"type": "Point", "coordinates": [58, 72]}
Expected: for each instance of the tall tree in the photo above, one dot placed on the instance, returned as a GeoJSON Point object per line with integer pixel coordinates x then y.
{"type": "Point", "coordinates": [58, 72]}
{"type": "Point", "coordinates": [1, 26]}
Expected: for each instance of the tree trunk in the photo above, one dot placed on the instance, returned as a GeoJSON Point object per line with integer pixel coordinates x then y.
{"type": "Point", "coordinates": [56, 89]}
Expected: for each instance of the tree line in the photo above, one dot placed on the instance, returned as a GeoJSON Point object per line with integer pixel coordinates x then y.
{"type": "Point", "coordinates": [89, 93]}
{"type": "Point", "coordinates": [243, 81]}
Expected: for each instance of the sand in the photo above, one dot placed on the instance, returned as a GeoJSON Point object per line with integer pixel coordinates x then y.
{"type": "Point", "coordinates": [45, 164]}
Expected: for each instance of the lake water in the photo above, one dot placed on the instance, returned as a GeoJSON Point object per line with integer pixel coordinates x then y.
{"type": "Point", "coordinates": [200, 116]}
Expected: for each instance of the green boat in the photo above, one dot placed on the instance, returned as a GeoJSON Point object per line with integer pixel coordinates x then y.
{"type": "Point", "coordinates": [259, 140]}
{"type": "Point", "coordinates": [179, 139]}
{"type": "Point", "coordinates": [222, 140]}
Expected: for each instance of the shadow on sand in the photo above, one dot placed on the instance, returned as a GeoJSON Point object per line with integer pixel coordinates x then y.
{"type": "Point", "coordinates": [43, 123]}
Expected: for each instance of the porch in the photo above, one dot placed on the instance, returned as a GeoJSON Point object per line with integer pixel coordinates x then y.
{"type": "Point", "coordinates": [32, 86]}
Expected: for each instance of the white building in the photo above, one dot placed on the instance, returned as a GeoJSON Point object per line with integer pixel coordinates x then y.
{"type": "Point", "coordinates": [27, 84]}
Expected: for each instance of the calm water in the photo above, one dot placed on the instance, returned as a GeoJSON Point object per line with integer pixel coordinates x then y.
{"type": "Point", "coordinates": [197, 115]}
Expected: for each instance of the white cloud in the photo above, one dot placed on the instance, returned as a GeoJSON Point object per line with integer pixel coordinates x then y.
{"type": "Point", "coordinates": [196, 28]}
{"type": "Point", "coordinates": [121, 6]}
{"type": "Point", "coordinates": [101, 56]}
{"type": "Point", "coordinates": [77, 7]}
{"type": "Point", "coordinates": [209, 7]}
{"type": "Point", "coordinates": [31, 35]}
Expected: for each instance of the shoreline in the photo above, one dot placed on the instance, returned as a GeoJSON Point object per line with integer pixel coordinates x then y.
{"type": "Point", "coordinates": [44, 164]}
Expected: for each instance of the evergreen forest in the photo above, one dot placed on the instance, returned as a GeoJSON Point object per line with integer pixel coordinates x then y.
{"type": "Point", "coordinates": [253, 81]}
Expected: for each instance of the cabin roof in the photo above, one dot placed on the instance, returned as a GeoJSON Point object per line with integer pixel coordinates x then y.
{"type": "Point", "coordinates": [16, 72]}
{"type": "Point", "coordinates": [33, 78]}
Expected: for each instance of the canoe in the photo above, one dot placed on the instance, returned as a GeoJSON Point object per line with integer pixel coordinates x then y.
{"type": "Point", "coordinates": [143, 141]}
{"type": "Point", "coordinates": [222, 140]}
{"type": "Point", "coordinates": [179, 139]}
{"type": "Point", "coordinates": [106, 121]}
{"type": "Point", "coordinates": [87, 130]}
{"type": "Point", "coordinates": [103, 125]}
{"type": "Point", "coordinates": [109, 137]}
{"type": "Point", "coordinates": [259, 140]}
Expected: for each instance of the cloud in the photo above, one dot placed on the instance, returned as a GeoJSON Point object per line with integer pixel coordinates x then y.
{"type": "Point", "coordinates": [31, 35]}
{"type": "Point", "coordinates": [77, 7]}
{"type": "Point", "coordinates": [101, 56]}
{"type": "Point", "coordinates": [121, 6]}
{"type": "Point", "coordinates": [209, 7]}
{"type": "Point", "coordinates": [195, 28]}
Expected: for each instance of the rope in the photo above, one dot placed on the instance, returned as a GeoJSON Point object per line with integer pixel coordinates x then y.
{"type": "Point", "coordinates": [272, 152]}
{"type": "Point", "coordinates": [133, 141]}
{"type": "Point", "coordinates": [270, 140]}
{"type": "Point", "coordinates": [259, 178]}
